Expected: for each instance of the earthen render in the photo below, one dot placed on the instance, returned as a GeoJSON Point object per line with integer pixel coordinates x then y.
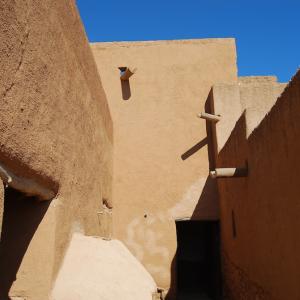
{"type": "Point", "coordinates": [102, 153]}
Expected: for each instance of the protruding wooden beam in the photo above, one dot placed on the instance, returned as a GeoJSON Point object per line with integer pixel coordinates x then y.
{"type": "Point", "coordinates": [126, 72]}
{"type": "Point", "coordinates": [209, 117]}
{"type": "Point", "coordinates": [229, 172]}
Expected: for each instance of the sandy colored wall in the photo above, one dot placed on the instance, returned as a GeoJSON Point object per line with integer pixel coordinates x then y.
{"type": "Point", "coordinates": [253, 96]}
{"type": "Point", "coordinates": [262, 260]}
{"type": "Point", "coordinates": [55, 127]}
{"type": "Point", "coordinates": [153, 129]}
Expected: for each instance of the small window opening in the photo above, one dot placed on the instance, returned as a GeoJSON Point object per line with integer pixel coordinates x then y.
{"type": "Point", "coordinates": [21, 218]}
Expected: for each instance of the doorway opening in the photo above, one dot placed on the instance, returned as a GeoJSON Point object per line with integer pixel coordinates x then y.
{"type": "Point", "coordinates": [198, 260]}
{"type": "Point", "coordinates": [21, 218]}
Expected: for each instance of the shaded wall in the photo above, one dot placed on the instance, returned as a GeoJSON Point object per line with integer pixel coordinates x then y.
{"type": "Point", "coordinates": [260, 213]}
{"type": "Point", "coordinates": [1, 205]}
{"type": "Point", "coordinates": [160, 154]}
{"type": "Point", "coordinates": [55, 127]}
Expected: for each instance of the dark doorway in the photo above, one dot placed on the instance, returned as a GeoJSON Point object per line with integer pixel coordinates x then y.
{"type": "Point", "coordinates": [198, 260]}
{"type": "Point", "coordinates": [21, 218]}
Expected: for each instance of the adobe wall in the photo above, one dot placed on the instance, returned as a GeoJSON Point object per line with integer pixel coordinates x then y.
{"type": "Point", "coordinates": [56, 129]}
{"type": "Point", "coordinates": [160, 154]}
{"type": "Point", "coordinates": [252, 95]}
{"type": "Point", "coordinates": [260, 213]}
{"type": "Point", "coordinates": [1, 205]}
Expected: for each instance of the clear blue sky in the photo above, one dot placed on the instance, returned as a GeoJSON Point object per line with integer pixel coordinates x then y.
{"type": "Point", "coordinates": [267, 32]}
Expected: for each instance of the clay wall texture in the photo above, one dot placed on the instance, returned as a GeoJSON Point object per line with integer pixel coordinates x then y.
{"type": "Point", "coordinates": [55, 127]}
{"type": "Point", "coordinates": [1, 205]}
{"type": "Point", "coordinates": [261, 254]}
{"type": "Point", "coordinates": [160, 152]}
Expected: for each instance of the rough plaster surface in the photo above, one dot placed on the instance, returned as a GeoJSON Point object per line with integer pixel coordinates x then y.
{"type": "Point", "coordinates": [265, 204]}
{"type": "Point", "coordinates": [97, 269]}
{"type": "Point", "coordinates": [225, 101]}
{"type": "Point", "coordinates": [153, 128]}
{"type": "Point", "coordinates": [254, 95]}
{"type": "Point", "coordinates": [257, 95]}
{"type": "Point", "coordinates": [55, 127]}
{"type": "Point", "coordinates": [237, 285]}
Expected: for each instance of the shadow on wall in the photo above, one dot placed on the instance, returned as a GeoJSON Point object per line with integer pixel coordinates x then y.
{"type": "Point", "coordinates": [236, 218]}
{"type": "Point", "coordinates": [208, 140]}
{"type": "Point", "coordinates": [209, 193]}
{"type": "Point", "coordinates": [172, 293]}
{"type": "Point", "coordinates": [211, 133]}
{"type": "Point", "coordinates": [22, 215]}
{"type": "Point", "coordinates": [126, 90]}
{"type": "Point", "coordinates": [194, 149]}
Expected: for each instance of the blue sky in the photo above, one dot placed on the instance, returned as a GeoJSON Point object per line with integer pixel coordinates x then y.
{"type": "Point", "coordinates": [267, 32]}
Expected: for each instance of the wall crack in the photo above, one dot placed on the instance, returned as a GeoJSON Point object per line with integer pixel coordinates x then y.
{"type": "Point", "coordinates": [23, 46]}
